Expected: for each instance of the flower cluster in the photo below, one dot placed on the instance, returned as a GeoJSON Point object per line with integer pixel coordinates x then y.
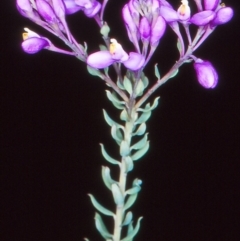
{"type": "Point", "coordinates": [145, 22]}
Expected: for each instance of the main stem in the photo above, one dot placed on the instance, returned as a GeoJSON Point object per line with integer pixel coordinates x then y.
{"type": "Point", "coordinates": [128, 129]}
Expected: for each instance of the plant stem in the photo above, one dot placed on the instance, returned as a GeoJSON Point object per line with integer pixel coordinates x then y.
{"type": "Point", "coordinates": [128, 129]}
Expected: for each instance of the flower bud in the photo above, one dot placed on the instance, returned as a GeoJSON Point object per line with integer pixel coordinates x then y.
{"type": "Point", "coordinates": [144, 28]}
{"type": "Point", "coordinates": [206, 74]}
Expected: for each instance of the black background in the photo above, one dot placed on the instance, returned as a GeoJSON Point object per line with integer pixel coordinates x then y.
{"type": "Point", "coordinates": [52, 124]}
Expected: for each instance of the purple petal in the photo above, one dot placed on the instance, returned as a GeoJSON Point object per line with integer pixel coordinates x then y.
{"type": "Point", "coordinates": [211, 4]}
{"type": "Point", "coordinates": [71, 6]}
{"type": "Point", "coordinates": [91, 12]}
{"type": "Point", "coordinates": [34, 45]}
{"type": "Point", "coordinates": [168, 13]}
{"type": "Point", "coordinates": [206, 74]}
{"type": "Point", "coordinates": [223, 15]}
{"type": "Point", "coordinates": [157, 30]}
{"type": "Point", "coordinates": [46, 11]}
{"type": "Point", "coordinates": [135, 61]}
{"type": "Point", "coordinates": [202, 18]}
{"type": "Point", "coordinates": [127, 17]}
{"type": "Point", "coordinates": [100, 60]}
{"type": "Point", "coordinates": [144, 28]}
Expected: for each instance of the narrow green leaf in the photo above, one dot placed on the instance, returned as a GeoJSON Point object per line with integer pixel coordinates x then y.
{"type": "Point", "coordinates": [117, 195]}
{"type": "Point", "coordinates": [145, 81]}
{"type": "Point", "coordinates": [120, 85]}
{"type": "Point", "coordinates": [127, 85]}
{"type": "Point", "coordinates": [143, 117]}
{"type": "Point", "coordinates": [148, 107]}
{"type": "Point", "coordinates": [108, 181]}
{"type": "Point", "coordinates": [179, 46]}
{"type": "Point", "coordinates": [129, 163]}
{"type": "Point", "coordinates": [140, 88]}
{"type": "Point", "coordinates": [101, 227]}
{"type": "Point", "coordinates": [94, 72]}
{"type": "Point", "coordinates": [107, 157]}
{"type": "Point", "coordinates": [107, 118]}
{"type": "Point", "coordinates": [174, 74]}
{"type": "Point", "coordinates": [141, 130]}
{"type": "Point", "coordinates": [115, 101]}
{"type": "Point", "coordinates": [157, 74]}
{"type": "Point", "coordinates": [130, 201]}
{"type": "Point", "coordinates": [128, 218]}
{"type": "Point", "coordinates": [124, 115]}
{"type": "Point", "coordinates": [124, 149]}
{"type": "Point", "coordinates": [140, 144]}
{"type": "Point", "coordinates": [102, 47]}
{"type": "Point", "coordinates": [138, 154]}
{"type": "Point", "coordinates": [116, 134]}
{"type": "Point", "coordinates": [133, 190]}
{"type": "Point", "coordinates": [134, 231]}
{"type": "Point", "coordinates": [99, 207]}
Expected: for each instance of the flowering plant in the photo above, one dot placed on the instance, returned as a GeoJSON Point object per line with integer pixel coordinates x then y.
{"type": "Point", "coordinates": [145, 22]}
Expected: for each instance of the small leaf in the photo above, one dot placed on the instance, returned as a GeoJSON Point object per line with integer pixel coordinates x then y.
{"type": "Point", "coordinates": [129, 163]}
{"type": "Point", "coordinates": [143, 117]}
{"type": "Point", "coordinates": [148, 107]}
{"type": "Point", "coordinates": [145, 81]}
{"type": "Point", "coordinates": [107, 157]}
{"type": "Point", "coordinates": [124, 149]}
{"type": "Point", "coordinates": [115, 101]}
{"type": "Point", "coordinates": [127, 85]}
{"type": "Point", "coordinates": [120, 84]}
{"type": "Point", "coordinates": [116, 134]}
{"type": "Point", "coordinates": [133, 190]}
{"type": "Point", "coordinates": [108, 119]}
{"type": "Point", "coordinates": [108, 181]}
{"type": "Point", "coordinates": [157, 74]}
{"type": "Point", "coordinates": [124, 115]}
{"type": "Point", "coordinates": [173, 74]}
{"type": "Point", "coordinates": [94, 72]}
{"type": "Point", "coordinates": [141, 130]}
{"type": "Point", "coordinates": [102, 47]}
{"type": "Point", "coordinates": [134, 231]}
{"type": "Point", "coordinates": [101, 227]}
{"type": "Point", "coordinates": [130, 201]}
{"type": "Point", "coordinates": [117, 195]}
{"type": "Point", "coordinates": [99, 207]}
{"type": "Point", "coordinates": [138, 154]}
{"type": "Point", "coordinates": [140, 144]}
{"type": "Point", "coordinates": [86, 239]}
{"type": "Point", "coordinates": [128, 218]}
{"type": "Point", "coordinates": [140, 88]}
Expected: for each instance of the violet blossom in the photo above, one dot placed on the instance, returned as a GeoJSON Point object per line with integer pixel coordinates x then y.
{"type": "Point", "coordinates": [206, 74]}
{"type": "Point", "coordinates": [103, 59]}
{"type": "Point", "coordinates": [33, 43]}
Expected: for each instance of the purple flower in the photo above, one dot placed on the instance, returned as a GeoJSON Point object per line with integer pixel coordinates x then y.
{"type": "Point", "coordinates": [103, 59]}
{"type": "Point", "coordinates": [223, 15]}
{"type": "Point", "coordinates": [206, 74]}
{"type": "Point", "coordinates": [89, 7]}
{"type": "Point", "coordinates": [168, 13]}
{"type": "Point", "coordinates": [33, 43]}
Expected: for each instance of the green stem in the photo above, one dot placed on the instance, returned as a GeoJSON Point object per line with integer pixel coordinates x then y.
{"type": "Point", "coordinates": [120, 212]}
